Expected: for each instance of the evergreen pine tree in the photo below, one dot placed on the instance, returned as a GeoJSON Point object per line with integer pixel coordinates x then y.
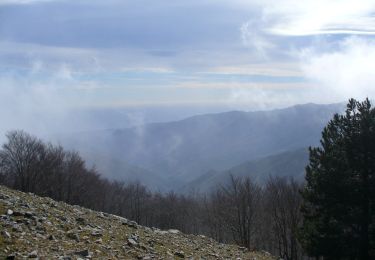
{"type": "Point", "coordinates": [339, 194]}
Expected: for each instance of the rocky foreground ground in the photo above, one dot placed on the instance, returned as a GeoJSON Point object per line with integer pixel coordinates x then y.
{"type": "Point", "coordinates": [37, 227]}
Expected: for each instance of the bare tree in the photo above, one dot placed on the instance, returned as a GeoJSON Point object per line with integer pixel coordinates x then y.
{"type": "Point", "coordinates": [137, 201]}
{"type": "Point", "coordinates": [240, 201]}
{"type": "Point", "coordinates": [213, 218]}
{"type": "Point", "coordinates": [20, 160]}
{"type": "Point", "coordinates": [283, 203]}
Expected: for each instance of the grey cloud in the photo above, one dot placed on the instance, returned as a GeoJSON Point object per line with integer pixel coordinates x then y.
{"type": "Point", "coordinates": [138, 24]}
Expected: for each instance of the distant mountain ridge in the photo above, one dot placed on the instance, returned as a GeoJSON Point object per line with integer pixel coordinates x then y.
{"type": "Point", "coordinates": [179, 152]}
{"type": "Point", "coordinates": [286, 164]}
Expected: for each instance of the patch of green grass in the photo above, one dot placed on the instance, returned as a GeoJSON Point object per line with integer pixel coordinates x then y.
{"type": "Point", "coordinates": [106, 238]}
{"type": "Point", "coordinates": [2, 242]}
{"type": "Point", "coordinates": [3, 209]}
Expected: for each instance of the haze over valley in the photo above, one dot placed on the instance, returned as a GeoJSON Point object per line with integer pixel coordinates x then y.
{"type": "Point", "coordinates": [174, 155]}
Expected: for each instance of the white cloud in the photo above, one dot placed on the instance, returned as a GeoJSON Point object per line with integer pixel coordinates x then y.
{"type": "Point", "coordinates": [337, 67]}
{"type": "Point", "coordinates": [311, 17]}
{"type": "Point", "coordinates": [344, 73]}
{"type": "Point", "coordinates": [252, 37]}
{"type": "Point", "coordinates": [259, 98]}
{"type": "Point", "coordinates": [41, 102]}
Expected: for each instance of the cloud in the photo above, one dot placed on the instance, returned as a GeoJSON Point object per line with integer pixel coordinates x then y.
{"type": "Point", "coordinates": [23, 2]}
{"type": "Point", "coordinates": [26, 105]}
{"type": "Point", "coordinates": [276, 29]}
{"type": "Point", "coordinates": [313, 17]}
{"type": "Point", "coordinates": [275, 69]}
{"type": "Point", "coordinates": [259, 98]}
{"type": "Point", "coordinates": [147, 69]}
{"type": "Point", "coordinates": [123, 53]}
{"type": "Point", "coordinates": [15, 56]}
{"type": "Point", "coordinates": [41, 101]}
{"type": "Point", "coordinates": [242, 85]}
{"type": "Point", "coordinates": [343, 73]}
{"type": "Point", "coordinates": [253, 38]}
{"type": "Point", "coordinates": [331, 39]}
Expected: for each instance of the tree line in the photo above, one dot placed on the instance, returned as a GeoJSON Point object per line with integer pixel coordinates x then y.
{"type": "Point", "coordinates": [330, 215]}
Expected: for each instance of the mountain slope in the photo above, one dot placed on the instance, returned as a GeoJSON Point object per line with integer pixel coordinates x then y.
{"type": "Point", "coordinates": [36, 227]}
{"type": "Point", "coordinates": [120, 170]}
{"type": "Point", "coordinates": [291, 163]}
{"type": "Point", "coordinates": [181, 151]}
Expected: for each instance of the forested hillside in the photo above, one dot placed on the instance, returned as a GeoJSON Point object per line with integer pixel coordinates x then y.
{"type": "Point", "coordinates": [286, 164]}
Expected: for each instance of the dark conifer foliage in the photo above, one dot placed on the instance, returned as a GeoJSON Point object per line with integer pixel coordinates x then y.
{"type": "Point", "coordinates": [339, 196]}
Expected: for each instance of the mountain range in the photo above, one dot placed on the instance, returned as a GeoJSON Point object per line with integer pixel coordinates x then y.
{"type": "Point", "coordinates": [199, 151]}
{"type": "Point", "coordinates": [286, 164]}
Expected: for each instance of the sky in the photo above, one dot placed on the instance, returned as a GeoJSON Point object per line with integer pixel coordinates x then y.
{"type": "Point", "coordinates": [61, 55]}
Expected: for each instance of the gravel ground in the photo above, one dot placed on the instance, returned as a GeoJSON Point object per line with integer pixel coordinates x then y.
{"type": "Point", "coordinates": [37, 227]}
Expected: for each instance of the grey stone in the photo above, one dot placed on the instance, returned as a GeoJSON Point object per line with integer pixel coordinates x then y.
{"type": "Point", "coordinates": [33, 254]}
{"type": "Point", "coordinates": [18, 213]}
{"type": "Point", "coordinates": [4, 197]}
{"type": "Point", "coordinates": [132, 242]}
{"type": "Point", "coordinates": [173, 231]}
{"type": "Point", "coordinates": [28, 214]}
{"type": "Point", "coordinates": [135, 237]}
{"type": "Point", "coordinates": [51, 237]}
{"type": "Point", "coordinates": [81, 221]}
{"type": "Point", "coordinates": [72, 235]}
{"type": "Point", "coordinates": [132, 224]}
{"type": "Point", "coordinates": [97, 233]}
{"type": "Point", "coordinates": [180, 254]}
{"type": "Point", "coordinates": [6, 234]}
{"type": "Point", "coordinates": [11, 257]}
{"type": "Point", "coordinates": [83, 253]}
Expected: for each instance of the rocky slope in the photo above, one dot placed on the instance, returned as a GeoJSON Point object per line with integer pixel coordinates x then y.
{"type": "Point", "coordinates": [37, 227]}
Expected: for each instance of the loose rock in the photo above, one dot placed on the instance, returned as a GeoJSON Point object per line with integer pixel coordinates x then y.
{"type": "Point", "coordinates": [33, 254]}
{"type": "Point", "coordinates": [83, 253]}
{"type": "Point", "coordinates": [132, 242]}
{"type": "Point", "coordinates": [60, 231]}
